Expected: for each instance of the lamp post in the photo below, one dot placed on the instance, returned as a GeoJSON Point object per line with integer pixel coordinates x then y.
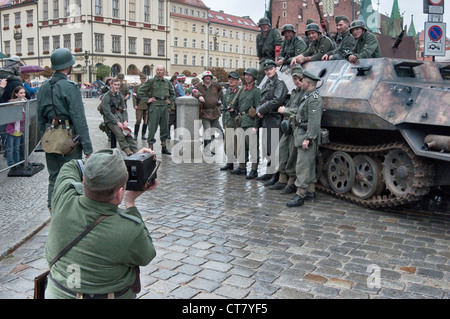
{"type": "Point", "coordinates": [88, 66]}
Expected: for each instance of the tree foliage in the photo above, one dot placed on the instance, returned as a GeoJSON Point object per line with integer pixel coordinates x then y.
{"type": "Point", "coordinates": [103, 71]}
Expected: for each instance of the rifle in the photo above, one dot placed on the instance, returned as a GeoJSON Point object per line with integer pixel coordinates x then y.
{"type": "Point", "coordinates": [278, 23]}
{"type": "Point", "coordinates": [322, 21]}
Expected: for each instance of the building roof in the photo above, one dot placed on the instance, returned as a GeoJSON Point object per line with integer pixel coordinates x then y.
{"type": "Point", "coordinates": [195, 3]}
{"type": "Point", "coordinates": [230, 20]}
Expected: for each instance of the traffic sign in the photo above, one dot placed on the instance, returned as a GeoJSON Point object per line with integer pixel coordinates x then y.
{"type": "Point", "coordinates": [433, 6]}
{"type": "Point", "coordinates": [435, 35]}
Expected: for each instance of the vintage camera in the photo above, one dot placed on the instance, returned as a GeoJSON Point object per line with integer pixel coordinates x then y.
{"type": "Point", "coordinates": [142, 168]}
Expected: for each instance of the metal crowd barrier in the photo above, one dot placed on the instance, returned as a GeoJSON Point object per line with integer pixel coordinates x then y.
{"type": "Point", "coordinates": [12, 112]}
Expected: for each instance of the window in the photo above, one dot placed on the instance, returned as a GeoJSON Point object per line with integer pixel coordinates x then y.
{"type": "Point", "coordinates": [19, 46]}
{"type": "Point", "coordinates": [224, 63]}
{"type": "Point", "coordinates": [210, 45]}
{"type": "Point", "coordinates": [194, 43]}
{"type": "Point", "coordinates": [284, 14]}
{"type": "Point", "coordinates": [194, 28]}
{"type": "Point", "coordinates": [147, 46]}
{"type": "Point", "coordinates": [202, 29]}
{"type": "Point", "coordinates": [202, 44]}
{"type": "Point", "coordinates": [17, 18]}
{"type": "Point", "coordinates": [98, 7]}
{"type": "Point", "coordinates": [115, 8]}
{"type": "Point", "coordinates": [174, 9]}
{"type": "Point", "coordinates": [78, 40]}
{"type": "Point", "coordinates": [115, 70]}
{"type": "Point", "coordinates": [251, 37]}
{"type": "Point", "coordinates": [194, 60]}
{"type": "Point", "coordinates": [217, 62]}
{"type": "Point", "coordinates": [175, 41]}
{"type": "Point", "coordinates": [116, 43]}
{"type": "Point", "coordinates": [284, 5]}
{"type": "Point", "coordinates": [175, 59]}
{"type": "Point", "coordinates": [224, 32]}
{"type": "Point", "coordinates": [56, 42]}
{"type": "Point", "coordinates": [146, 10]}
{"type": "Point", "coordinates": [202, 61]}
{"type": "Point", "coordinates": [132, 10]}
{"type": "Point", "coordinates": [30, 45]}
{"type": "Point", "coordinates": [244, 51]}
{"type": "Point", "coordinates": [244, 36]}
{"type": "Point", "coordinates": [231, 48]}
{"type": "Point", "coordinates": [231, 34]}
{"type": "Point", "coordinates": [66, 8]}
{"type": "Point", "coordinates": [161, 44]}
{"type": "Point", "coordinates": [224, 47]}
{"type": "Point", "coordinates": [231, 63]}
{"type": "Point", "coordinates": [29, 16]}
{"type": "Point", "coordinates": [7, 47]}
{"type": "Point", "coordinates": [160, 12]}
{"type": "Point", "coordinates": [237, 49]}
{"type": "Point", "coordinates": [67, 41]}
{"type": "Point", "coordinates": [185, 42]}
{"type": "Point", "coordinates": [132, 45]}
{"type": "Point", "coordinates": [185, 59]}
{"type": "Point", "coordinates": [99, 42]}
{"type": "Point", "coordinates": [237, 34]}
{"type": "Point", "coordinates": [6, 20]}
{"type": "Point", "coordinates": [250, 51]}
{"type": "Point", "coordinates": [55, 9]}
{"type": "Point", "coordinates": [210, 62]}
{"type": "Point", "coordinates": [45, 9]}
{"type": "Point", "coordinates": [46, 44]}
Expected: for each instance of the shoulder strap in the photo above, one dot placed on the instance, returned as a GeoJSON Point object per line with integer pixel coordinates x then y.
{"type": "Point", "coordinates": [52, 84]}
{"type": "Point", "coordinates": [73, 242]}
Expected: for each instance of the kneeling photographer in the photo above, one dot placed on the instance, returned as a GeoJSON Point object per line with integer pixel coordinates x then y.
{"type": "Point", "coordinates": [110, 243]}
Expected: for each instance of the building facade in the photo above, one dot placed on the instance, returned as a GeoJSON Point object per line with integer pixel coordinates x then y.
{"type": "Point", "coordinates": [130, 36]}
{"type": "Point", "coordinates": [203, 38]}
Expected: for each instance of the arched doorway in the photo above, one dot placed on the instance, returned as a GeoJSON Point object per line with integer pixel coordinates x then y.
{"type": "Point", "coordinates": [115, 70]}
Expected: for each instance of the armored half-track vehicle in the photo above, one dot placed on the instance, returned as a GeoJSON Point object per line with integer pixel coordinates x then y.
{"type": "Point", "coordinates": [389, 129]}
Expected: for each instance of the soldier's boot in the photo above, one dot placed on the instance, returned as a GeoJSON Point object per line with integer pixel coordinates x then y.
{"type": "Point", "coordinates": [164, 148]}
{"type": "Point", "coordinates": [136, 131]}
{"type": "Point", "coordinates": [253, 172]}
{"type": "Point", "coordinates": [290, 187]}
{"type": "Point", "coordinates": [311, 192]}
{"type": "Point", "coordinates": [228, 166]}
{"type": "Point", "coordinates": [299, 198]}
{"type": "Point", "coordinates": [273, 180]}
{"type": "Point", "coordinates": [241, 170]}
{"type": "Point", "coordinates": [144, 131]}
{"type": "Point", "coordinates": [281, 183]}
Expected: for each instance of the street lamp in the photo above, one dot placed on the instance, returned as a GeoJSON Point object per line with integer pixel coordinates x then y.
{"type": "Point", "coordinates": [88, 66]}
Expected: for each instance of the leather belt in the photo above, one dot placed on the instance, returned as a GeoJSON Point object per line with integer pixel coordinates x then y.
{"type": "Point", "coordinates": [115, 295]}
{"type": "Point", "coordinates": [161, 98]}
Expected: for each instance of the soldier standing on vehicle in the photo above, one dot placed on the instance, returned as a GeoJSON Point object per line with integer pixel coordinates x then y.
{"type": "Point", "coordinates": [366, 46]}
{"type": "Point", "coordinates": [67, 101]}
{"type": "Point", "coordinates": [344, 40]}
{"type": "Point", "coordinates": [158, 92]}
{"type": "Point", "coordinates": [319, 45]}
{"type": "Point", "coordinates": [306, 139]}
{"type": "Point", "coordinates": [291, 47]}
{"type": "Point", "coordinates": [141, 110]}
{"type": "Point", "coordinates": [268, 45]}
{"type": "Point", "coordinates": [288, 151]}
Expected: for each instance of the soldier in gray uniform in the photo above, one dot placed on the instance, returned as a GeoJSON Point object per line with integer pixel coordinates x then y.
{"type": "Point", "coordinates": [273, 94]}
{"type": "Point", "coordinates": [268, 45]}
{"type": "Point", "coordinates": [288, 151]}
{"type": "Point", "coordinates": [291, 47]}
{"type": "Point", "coordinates": [345, 42]}
{"type": "Point", "coordinates": [319, 45]}
{"type": "Point", "coordinates": [307, 139]}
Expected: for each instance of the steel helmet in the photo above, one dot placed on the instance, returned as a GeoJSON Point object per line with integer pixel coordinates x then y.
{"type": "Point", "coordinates": [312, 27]}
{"type": "Point", "coordinates": [62, 58]}
{"type": "Point", "coordinates": [287, 27]}
{"type": "Point", "coordinates": [357, 24]}
{"type": "Point", "coordinates": [264, 21]}
{"type": "Point", "coordinates": [252, 71]}
{"type": "Point", "coordinates": [207, 73]}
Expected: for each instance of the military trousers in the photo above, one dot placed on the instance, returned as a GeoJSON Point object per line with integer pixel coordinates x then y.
{"type": "Point", "coordinates": [141, 115]}
{"type": "Point", "coordinates": [124, 141]}
{"type": "Point", "coordinates": [158, 115]}
{"type": "Point", "coordinates": [305, 167]}
{"type": "Point", "coordinates": [287, 155]}
{"type": "Point", "coordinates": [54, 164]}
{"type": "Point", "coordinates": [251, 148]}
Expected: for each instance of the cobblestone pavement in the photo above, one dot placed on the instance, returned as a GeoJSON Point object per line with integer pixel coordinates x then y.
{"type": "Point", "coordinates": [221, 236]}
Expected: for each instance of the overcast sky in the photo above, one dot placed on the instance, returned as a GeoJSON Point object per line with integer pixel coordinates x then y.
{"type": "Point", "coordinates": [255, 9]}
